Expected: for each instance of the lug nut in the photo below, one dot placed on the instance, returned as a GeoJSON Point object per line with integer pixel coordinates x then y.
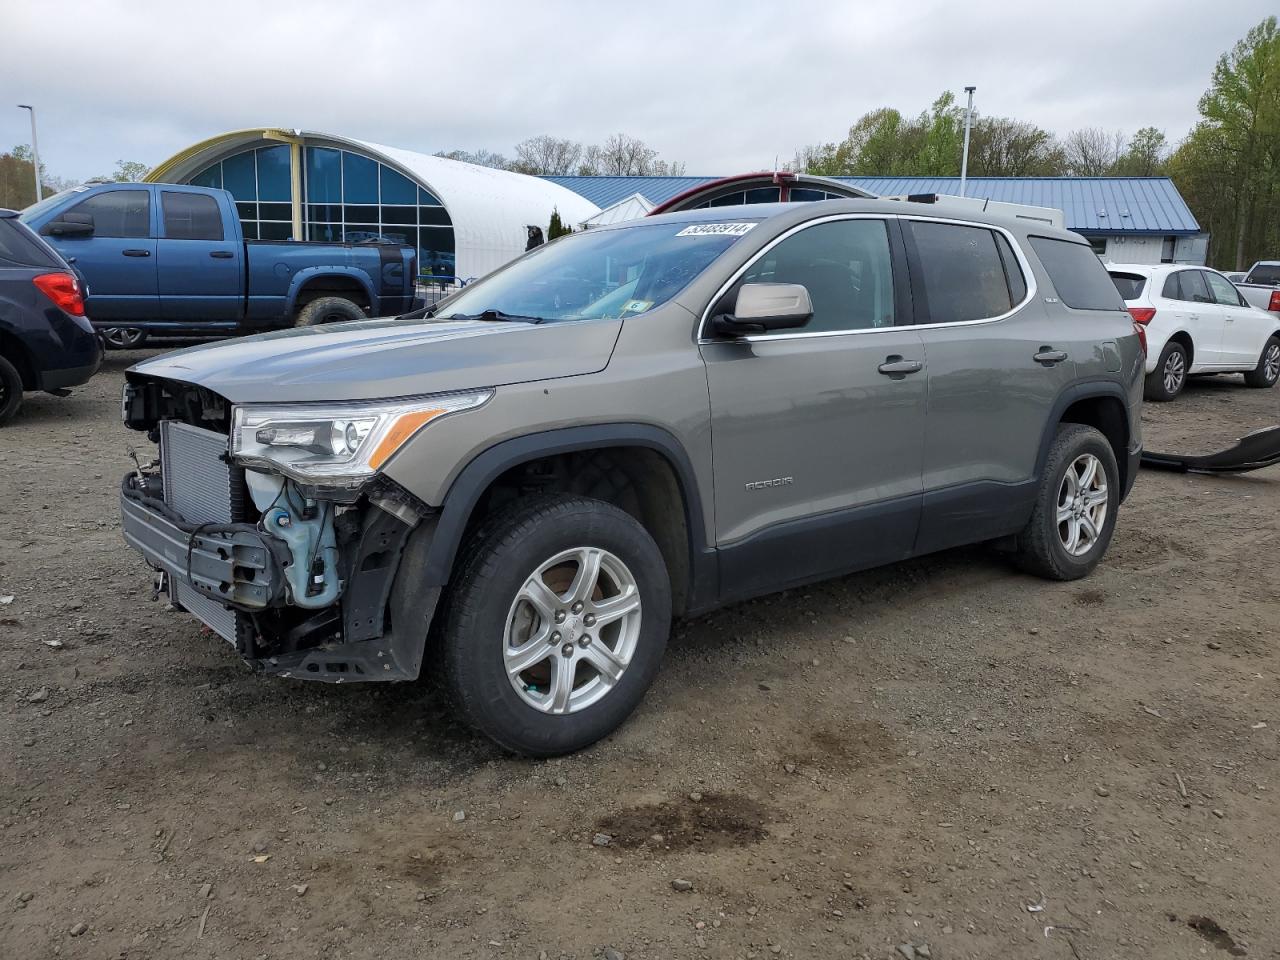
{"type": "Point", "coordinates": [560, 615]}
{"type": "Point", "coordinates": [584, 640]}
{"type": "Point", "coordinates": [567, 650]}
{"type": "Point", "coordinates": [589, 620]}
{"type": "Point", "coordinates": [577, 607]}
{"type": "Point", "coordinates": [555, 637]}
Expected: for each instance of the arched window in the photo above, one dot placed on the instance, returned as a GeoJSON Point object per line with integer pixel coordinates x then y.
{"type": "Point", "coordinates": [259, 181]}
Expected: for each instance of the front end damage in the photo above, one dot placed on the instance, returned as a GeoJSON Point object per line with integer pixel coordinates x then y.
{"type": "Point", "coordinates": [301, 577]}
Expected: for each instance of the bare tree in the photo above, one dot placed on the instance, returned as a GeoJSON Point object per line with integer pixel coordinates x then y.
{"type": "Point", "coordinates": [130, 171]}
{"type": "Point", "coordinates": [1004, 147]}
{"type": "Point", "coordinates": [1092, 151]}
{"type": "Point", "coordinates": [481, 158]}
{"type": "Point", "coordinates": [626, 156]}
{"type": "Point", "coordinates": [547, 155]}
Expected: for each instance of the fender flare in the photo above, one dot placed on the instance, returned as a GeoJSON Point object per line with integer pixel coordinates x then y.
{"type": "Point", "coordinates": [1088, 390]}
{"type": "Point", "coordinates": [475, 478]}
{"type": "Point", "coordinates": [308, 274]}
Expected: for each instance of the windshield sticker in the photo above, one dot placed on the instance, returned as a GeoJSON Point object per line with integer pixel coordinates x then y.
{"type": "Point", "coordinates": [636, 306]}
{"type": "Point", "coordinates": [715, 230]}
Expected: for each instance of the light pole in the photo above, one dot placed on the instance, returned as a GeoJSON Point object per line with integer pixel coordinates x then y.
{"type": "Point", "coordinates": [964, 157]}
{"type": "Point", "coordinates": [35, 149]}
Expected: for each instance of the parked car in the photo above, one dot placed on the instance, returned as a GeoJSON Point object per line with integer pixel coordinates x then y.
{"type": "Point", "coordinates": [747, 399]}
{"type": "Point", "coordinates": [45, 341]}
{"type": "Point", "coordinates": [1235, 277]}
{"type": "Point", "coordinates": [1197, 321]}
{"type": "Point", "coordinates": [1261, 285]}
{"type": "Point", "coordinates": [169, 259]}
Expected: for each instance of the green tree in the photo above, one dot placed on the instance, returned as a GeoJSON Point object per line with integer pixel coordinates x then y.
{"type": "Point", "coordinates": [557, 227]}
{"type": "Point", "coordinates": [130, 171]}
{"type": "Point", "coordinates": [17, 184]}
{"type": "Point", "coordinates": [1146, 155]}
{"type": "Point", "coordinates": [1228, 168]}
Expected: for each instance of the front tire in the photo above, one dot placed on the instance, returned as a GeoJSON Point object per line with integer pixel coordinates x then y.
{"type": "Point", "coordinates": [1268, 370]}
{"type": "Point", "coordinates": [124, 338]}
{"type": "Point", "coordinates": [328, 310]}
{"type": "Point", "coordinates": [556, 624]}
{"type": "Point", "coordinates": [10, 391]}
{"type": "Point", "coordinates": [1170, 375]}
{"type": "Point", "coordinates": [1075, 512]}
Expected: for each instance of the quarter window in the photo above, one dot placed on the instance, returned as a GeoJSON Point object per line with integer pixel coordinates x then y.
{"type": "Point", "coordinates": [1079, 277]}
{"type": "Point", "coordinates": [191, 216]}
{"type": "Point", "coordinates": [118, 213]}
{"type": "Point", "coordinates": [1191, 287]}
{"type": "Point", "coordinates": [962, 272]}
{"type": "Point", "coordinates": [846, 267]}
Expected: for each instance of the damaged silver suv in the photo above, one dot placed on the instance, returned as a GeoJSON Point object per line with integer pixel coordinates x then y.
{"type": "Point", "coordinates": [518, 493]}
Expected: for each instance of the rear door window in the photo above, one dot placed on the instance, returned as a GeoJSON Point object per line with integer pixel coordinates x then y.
{"type": "Point", "coordinates": [1129, 285]}
{"type": "Point", "coordinates": [118, 213]}
{"type": "Point", "coordinates": [191, 216]}
{"type": "Point", "coordinates": [18, 248]}
{"type": "Point", "coordinates": [846, 267]}
{"type": "Point", "coordinates": [1191, 287]}
{"type": "Point", "coordinates": [1078, 275]}
{"type": "Point", "coordinates": [962, 272]}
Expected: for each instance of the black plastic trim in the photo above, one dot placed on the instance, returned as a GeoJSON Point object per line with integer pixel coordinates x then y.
{"type": "Point", "coordinates": [973, 512]}
{"type": "Point", "coordinates": [476, 476]}
{"type": "Point", "coordinates": [1086, 390]}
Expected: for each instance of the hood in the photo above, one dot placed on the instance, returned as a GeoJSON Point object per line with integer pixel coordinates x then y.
{"type": "Point", "coordinates": [380, 359]}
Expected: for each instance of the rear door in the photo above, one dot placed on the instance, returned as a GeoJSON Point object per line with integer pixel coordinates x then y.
{"type": "Point", "coordinates": [118, 260]}
{"type": "Point", "coordinates": [1204, 321]}
{"type": "Point", "coordinates": [1244, 330]}
{"type": "Point", "coordinates": [816, 433]}
{"type": "Point", "coordinates": [997, 365]}
{"type": "Point", "coordinates": [201, 263]}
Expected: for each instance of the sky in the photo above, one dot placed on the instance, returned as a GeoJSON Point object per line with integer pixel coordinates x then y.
{"type": "Point", "coordinates": [723, 85]}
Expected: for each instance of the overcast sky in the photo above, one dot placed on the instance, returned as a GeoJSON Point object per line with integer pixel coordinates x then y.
{"type": "Point", "coordinates": [725, 85]}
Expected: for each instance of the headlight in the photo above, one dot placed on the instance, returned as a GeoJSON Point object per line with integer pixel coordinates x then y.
{"type": "Point", "coordinates": [341, 444]}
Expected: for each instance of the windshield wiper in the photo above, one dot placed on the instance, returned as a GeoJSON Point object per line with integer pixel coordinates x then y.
{"type": "Point", "coordinates": [497, 315]}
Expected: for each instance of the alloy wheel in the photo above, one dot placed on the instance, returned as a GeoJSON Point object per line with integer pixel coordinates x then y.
{"type": "Point", "coordinates": [123, 338]}
{"type": "Point", "coordinates": [1175, 369]}
{"type": "Point", "coordinates": [1083, 503]}
{"type": "Point", "coordinates": [572, 630]}
{"type": "Point", "coordinates": [1271, 363]}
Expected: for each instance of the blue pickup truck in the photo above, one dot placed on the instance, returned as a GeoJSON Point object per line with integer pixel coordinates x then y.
{"type": "Point", "coordinates": [163, 258]}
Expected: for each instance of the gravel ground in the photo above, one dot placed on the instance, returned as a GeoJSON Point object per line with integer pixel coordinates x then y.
{"type": "Point", "coordinates": [940, 759]}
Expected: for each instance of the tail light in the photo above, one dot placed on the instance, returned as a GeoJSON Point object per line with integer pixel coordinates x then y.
{"type": "Point", "coordinates": [64, 290]}
{"type": "Point", "coordinates": [1141, 317]}
{"type": "Point", "coordinates": [1275, 301]}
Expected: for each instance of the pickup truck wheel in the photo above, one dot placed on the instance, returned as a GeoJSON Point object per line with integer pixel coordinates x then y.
{"type": "Point", "coordinates": [10, 391]}
{"type": "Point", "coordinates": [328, 310]}
{"type": "Point", "coordinates": [124, 338]}
{"type": "Point", "coordinates": [1268, 370]}
{"type": "Point", "coordinates": [556, 624]}
{"type": "Point", "coordinates": [1170, 375]}
{"type": "Point", "coordinates": [1075, 512]}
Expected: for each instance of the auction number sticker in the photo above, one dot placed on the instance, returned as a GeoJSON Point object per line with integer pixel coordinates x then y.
{"type": "Point", "coordinates": [715, 230]}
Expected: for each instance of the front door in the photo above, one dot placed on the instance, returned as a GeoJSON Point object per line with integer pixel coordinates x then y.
{"type": "Point", "coordinates": [816, 433]}
{"type": "Point", "coordinates": [118, 260]}
{"type": "Point", "coordinates": [1244, 330]}
{"type": "Point", "coordinates": [200, 275]}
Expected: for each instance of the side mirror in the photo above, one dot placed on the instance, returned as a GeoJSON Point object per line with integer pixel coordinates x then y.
{"type": "Point", "coordinates": [767, 306]}
{"type": "Point", "coordinates": [70, 225]}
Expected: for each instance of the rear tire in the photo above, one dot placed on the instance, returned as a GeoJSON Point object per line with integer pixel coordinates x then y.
{"type": "Point", "coordinates": [124, 338]}
{"type": "Point", "coordinates": [551, 699]}
{"type": "Point", "coordinates": [1170, 375]}
{"type": "Point", "coordinates": [1075, 512]}
{"type": "Point", "coordinates": [10, 391]}
{"type": "Point", "coordinates": [328, 310]}
{"type": "Point", "coordinates": [1268, 370]}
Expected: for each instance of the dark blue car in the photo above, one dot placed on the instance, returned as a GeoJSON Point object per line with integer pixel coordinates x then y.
{"type": "Point", "coordinates": [46, 343]}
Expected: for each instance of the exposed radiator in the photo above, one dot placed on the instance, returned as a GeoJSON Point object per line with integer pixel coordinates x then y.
{"type": "Point", "coordinates": [203, 488]}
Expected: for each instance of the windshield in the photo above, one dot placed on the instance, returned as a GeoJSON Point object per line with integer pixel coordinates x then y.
{"type": "Point", "coordinates": [1265, 273]}
{"type": "Point", "coordinates": [33, 211]}
{"type": "Point", "coordinates": [598, 274]}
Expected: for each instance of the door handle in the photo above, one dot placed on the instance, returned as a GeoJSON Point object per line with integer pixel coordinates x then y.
{"type": "Point", "coordinates": [136, 253]}
{"type": "Point", "coordinates": [1049, 356]}
{"type": "Point", "coordinates": [897, 368]}
{"type": "Point", "coordinates": [221, 254]}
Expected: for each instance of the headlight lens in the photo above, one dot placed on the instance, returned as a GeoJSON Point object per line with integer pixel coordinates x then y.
{"type": "Point", "coordinates": [336, 444]}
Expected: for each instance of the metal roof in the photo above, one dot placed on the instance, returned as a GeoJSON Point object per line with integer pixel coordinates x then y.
{"type": "Point", "coordinates": [1099, 205]}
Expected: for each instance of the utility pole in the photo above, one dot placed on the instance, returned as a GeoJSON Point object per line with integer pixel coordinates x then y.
{"type": "Point", "coordinates": [964, 157]}
{"type": "Point", "coordinates": [35, 149]}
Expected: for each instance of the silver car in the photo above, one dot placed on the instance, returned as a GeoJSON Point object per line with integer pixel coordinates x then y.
{"type": "Point", "coordinates": [640, 422]}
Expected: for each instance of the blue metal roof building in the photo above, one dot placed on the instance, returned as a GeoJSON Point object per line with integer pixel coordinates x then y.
{"type": "Point", "coordinates": [1128, 219]}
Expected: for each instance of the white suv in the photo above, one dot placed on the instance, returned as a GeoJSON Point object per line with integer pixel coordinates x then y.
{"type": "Point", "coordinates": [1196, 321]}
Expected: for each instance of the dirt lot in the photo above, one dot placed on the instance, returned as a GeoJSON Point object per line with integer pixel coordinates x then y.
{"type": "Point", "coordinates": [941, 754]}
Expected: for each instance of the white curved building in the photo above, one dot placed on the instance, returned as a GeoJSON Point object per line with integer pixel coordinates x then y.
{"type": "Point", "coordinates": [465, 220]}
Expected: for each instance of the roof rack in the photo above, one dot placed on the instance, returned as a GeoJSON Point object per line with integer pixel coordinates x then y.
{"type": "Point", "coordinates": [1018, 211]}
